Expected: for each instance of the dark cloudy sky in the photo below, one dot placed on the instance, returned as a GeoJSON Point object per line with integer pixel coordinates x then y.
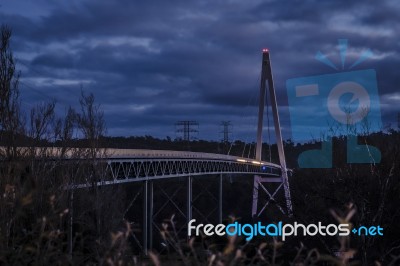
{"type": "Point", "coordinates": [152, 63]}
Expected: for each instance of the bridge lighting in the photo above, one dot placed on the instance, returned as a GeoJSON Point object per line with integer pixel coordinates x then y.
{"type": "Point", "coordinates": [264, 168]}
{"type": "Point", "coordinates": [265, 50]}
{"type": "Point", "coordinates": [255, 162]}
{"type": "Point", "coordinates": [241, 160]}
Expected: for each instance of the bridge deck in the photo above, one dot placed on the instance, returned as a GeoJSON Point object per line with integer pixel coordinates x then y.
{"type": "Point", "coordinates": [169, 154]}
{"type": "Point", "coordinates": [132, 165]}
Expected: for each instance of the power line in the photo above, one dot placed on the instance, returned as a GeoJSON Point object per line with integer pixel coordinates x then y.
{"type": "Point", "coordinates": [44, 75]}
{"type": "Point", "coordinates": [37, 91]}
{"type": "Point", "coordinates": [41, 92]}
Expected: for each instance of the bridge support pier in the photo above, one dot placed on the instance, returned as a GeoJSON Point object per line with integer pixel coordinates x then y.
{"type": "Point", "coordinates": [189, 198]}
{"type": "Point", "coordinates": [220, 199]}
{"type": "Point", "coordinates": [255, 196]}
{"type": "Point", "coordinates": [145, 215]}
{"type": "Point", "coordinates": [151, 212]}
{"type": "Point", "coordinates": [260, 183]}
{"type": "Point", "coordinates": [71, 222]}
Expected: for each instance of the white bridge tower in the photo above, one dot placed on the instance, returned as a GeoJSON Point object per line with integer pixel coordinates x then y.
{"type": "Point", "coordinates": [267, 83]}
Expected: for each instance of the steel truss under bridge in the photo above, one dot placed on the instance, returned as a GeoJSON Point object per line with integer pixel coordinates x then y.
{"type": "Point", "coordinates": [149, 168]}
{"type": "Point", "coordinates": [125, 166]}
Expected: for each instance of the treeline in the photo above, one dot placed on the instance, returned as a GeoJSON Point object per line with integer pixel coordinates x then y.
{"type": "Point", "coordinates": [382, 140]}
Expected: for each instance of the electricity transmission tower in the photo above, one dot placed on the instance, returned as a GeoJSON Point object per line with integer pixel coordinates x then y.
{"type": "Point", "coordinates": [187, 129]}
{"type": "Point", "coordinates": [226, 130]}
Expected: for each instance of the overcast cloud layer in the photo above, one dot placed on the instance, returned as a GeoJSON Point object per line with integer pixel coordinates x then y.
{"type": "Point", "coordinates": [152, 63]}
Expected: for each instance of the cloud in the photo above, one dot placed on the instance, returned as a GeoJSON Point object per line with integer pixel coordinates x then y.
{"type": "Point", "coordinates": [152, 64]}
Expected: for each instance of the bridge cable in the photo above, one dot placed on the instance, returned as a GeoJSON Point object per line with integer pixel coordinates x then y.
{"type": "Point", "coordinates": [269, 128]}
{"type": "Point", "coordinates": [256, 93]}
{"type": "Point", "coordinates": [253, 143]}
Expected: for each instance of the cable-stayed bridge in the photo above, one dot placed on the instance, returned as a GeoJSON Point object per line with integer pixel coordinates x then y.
{"type": "Point", "coordinates": [147, 167]}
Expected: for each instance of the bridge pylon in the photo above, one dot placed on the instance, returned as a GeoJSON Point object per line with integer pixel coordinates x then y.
{"type": "Point", "coordinates": [262, 182]}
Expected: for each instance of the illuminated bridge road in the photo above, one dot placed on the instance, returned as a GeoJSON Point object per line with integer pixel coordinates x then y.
{"type": "Point", "coordinates": [130, 165]}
